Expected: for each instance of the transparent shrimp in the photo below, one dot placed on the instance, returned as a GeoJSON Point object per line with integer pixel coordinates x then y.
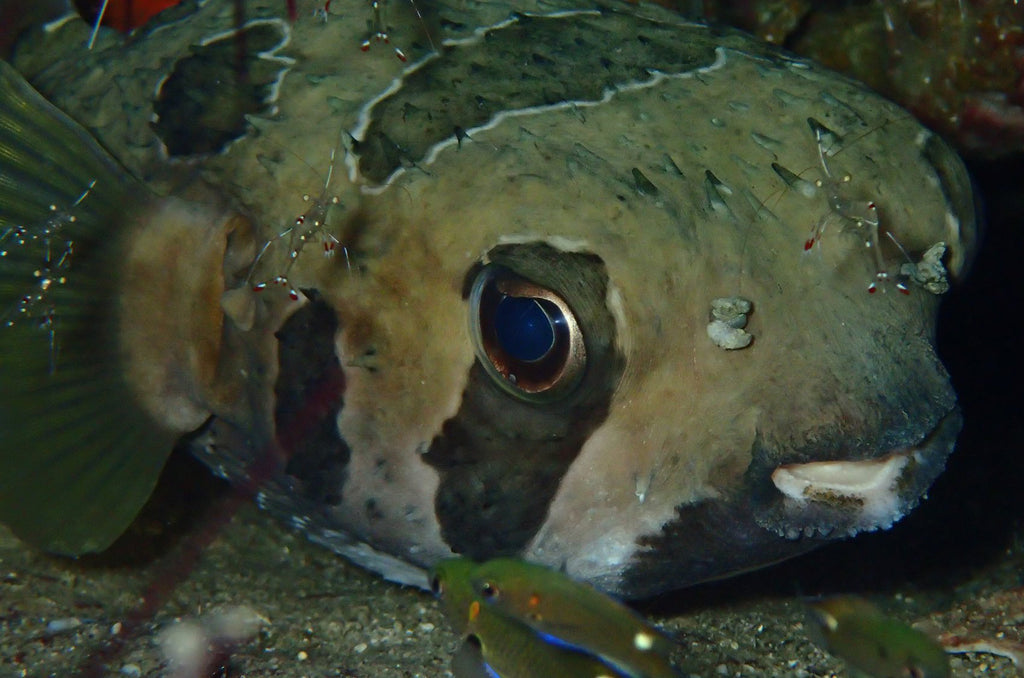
{"type": "Point", "coordinates": [310, 225]}
{"type": "Point", "coordinates": [35, 304]}
{"type": "Point", "coordinates": [378, 27]}
{"type": "Point", "coordinates": [858, 214]}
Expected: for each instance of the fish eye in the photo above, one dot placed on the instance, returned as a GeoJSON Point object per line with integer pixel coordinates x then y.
{"type": "Point", "coordinates": [488, 590]}
{"type": "Point", "coordinates": [436, 585]}
{"type": "Point", "coordinates": [527, 338]}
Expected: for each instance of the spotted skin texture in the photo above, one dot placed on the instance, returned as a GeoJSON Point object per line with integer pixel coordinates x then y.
{"type": "Point", "coordinates": [626, 161]}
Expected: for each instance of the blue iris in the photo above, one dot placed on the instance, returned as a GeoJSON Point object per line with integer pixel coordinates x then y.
{"type": "Point", "coordinates": [523, 328]}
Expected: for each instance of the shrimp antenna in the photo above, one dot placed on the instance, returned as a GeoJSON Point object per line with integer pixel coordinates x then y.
{"type": "Point", "coordinates": [96, 24]}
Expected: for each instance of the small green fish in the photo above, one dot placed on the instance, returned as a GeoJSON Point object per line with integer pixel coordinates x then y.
{"type": "Point", "coordinates": [553, 604]}
{"type": "Point", "coordinates": [874, 644]}
{"type": "Point", "coordinates": [497, 644]}
{"type": "Point", "coordinates": [509, 649]}
{"type": "Point", "coordinates": [556, 609]}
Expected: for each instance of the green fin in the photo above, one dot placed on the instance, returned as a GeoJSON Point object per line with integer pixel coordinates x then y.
{"type": "Point", "coordinates": [78, 456]}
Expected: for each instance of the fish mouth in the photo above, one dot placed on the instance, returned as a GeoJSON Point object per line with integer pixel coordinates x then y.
{"type": "Point", "coordinates": [844, 497]}
{"type": "Point", "coordinates": [791, 501]}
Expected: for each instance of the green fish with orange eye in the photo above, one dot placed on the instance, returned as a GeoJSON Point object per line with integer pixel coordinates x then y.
{"type": "Point", "coordinates": [556, 610]}
{"type": "Point", "coordinates": [579, 615]}
{"type": "Point", "coordinates": [497, 645]}
{"type": "Point", "coordinates": [874, 644]}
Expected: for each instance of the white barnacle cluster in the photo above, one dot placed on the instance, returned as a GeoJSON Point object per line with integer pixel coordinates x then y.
{"type": "Point", "coordinates": [930, 273]}
{"type": "Point", "coordinates": [728, 318]}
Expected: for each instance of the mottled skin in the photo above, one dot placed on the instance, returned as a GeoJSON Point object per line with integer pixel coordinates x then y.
{"type": "Point", "coordinates": [655, 472]}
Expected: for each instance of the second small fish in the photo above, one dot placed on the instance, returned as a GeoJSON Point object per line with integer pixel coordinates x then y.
{"type": "Point", "coordinates": [874, 644]}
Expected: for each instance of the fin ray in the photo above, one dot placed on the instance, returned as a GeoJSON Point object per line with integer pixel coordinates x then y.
{"type": "Point", "coordinates": [78, 454]}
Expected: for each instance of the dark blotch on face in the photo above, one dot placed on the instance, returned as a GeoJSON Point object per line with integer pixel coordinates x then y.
{"type": "Point", "coordinates": [201, 106]}
{"type": "Point", "coordinates": [501, 458]}
{"type": "Point", "coordinates": [309, 394]}
{"type": "Point", "coordinates": [693, 547]}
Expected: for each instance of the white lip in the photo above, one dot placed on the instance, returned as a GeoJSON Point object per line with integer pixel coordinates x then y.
{"type": "Point", "coordinates": [867, 491]}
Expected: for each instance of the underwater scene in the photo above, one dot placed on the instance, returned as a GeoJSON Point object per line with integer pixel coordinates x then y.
{"type": "Point", "coordinates": [511, 338]}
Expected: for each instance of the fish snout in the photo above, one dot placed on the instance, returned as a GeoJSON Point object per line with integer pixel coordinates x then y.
{"type": "Point", "coordinates": [792, 499]}
{"type": "Point", "coordinates": [855, 488]}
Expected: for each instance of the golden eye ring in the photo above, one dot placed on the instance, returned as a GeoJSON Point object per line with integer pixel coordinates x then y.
{"type": "Point", "coordinates": [526, 335]}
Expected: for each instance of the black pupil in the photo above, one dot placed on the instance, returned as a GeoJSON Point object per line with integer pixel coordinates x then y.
{"type": "Point", "coordinates": [524, 328]}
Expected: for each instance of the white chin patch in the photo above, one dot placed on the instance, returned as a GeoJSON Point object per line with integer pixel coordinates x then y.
{"type": "Point", "coordinates": [866, 492]}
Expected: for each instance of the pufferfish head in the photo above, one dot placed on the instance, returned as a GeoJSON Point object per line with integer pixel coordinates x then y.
{"type": "Point", "coordinates": [526, 336]}
{"type": "Point", "coordinates": [639, 299]}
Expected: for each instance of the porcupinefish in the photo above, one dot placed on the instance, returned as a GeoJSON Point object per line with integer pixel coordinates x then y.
{"type": "Point", "coordinates": [585, 283]}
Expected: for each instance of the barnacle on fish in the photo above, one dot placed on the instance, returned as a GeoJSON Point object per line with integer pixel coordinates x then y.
{"type": "Point", "coordinates": [930, 273]}
{"type": "Point", "coordinates": [728, 318]}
